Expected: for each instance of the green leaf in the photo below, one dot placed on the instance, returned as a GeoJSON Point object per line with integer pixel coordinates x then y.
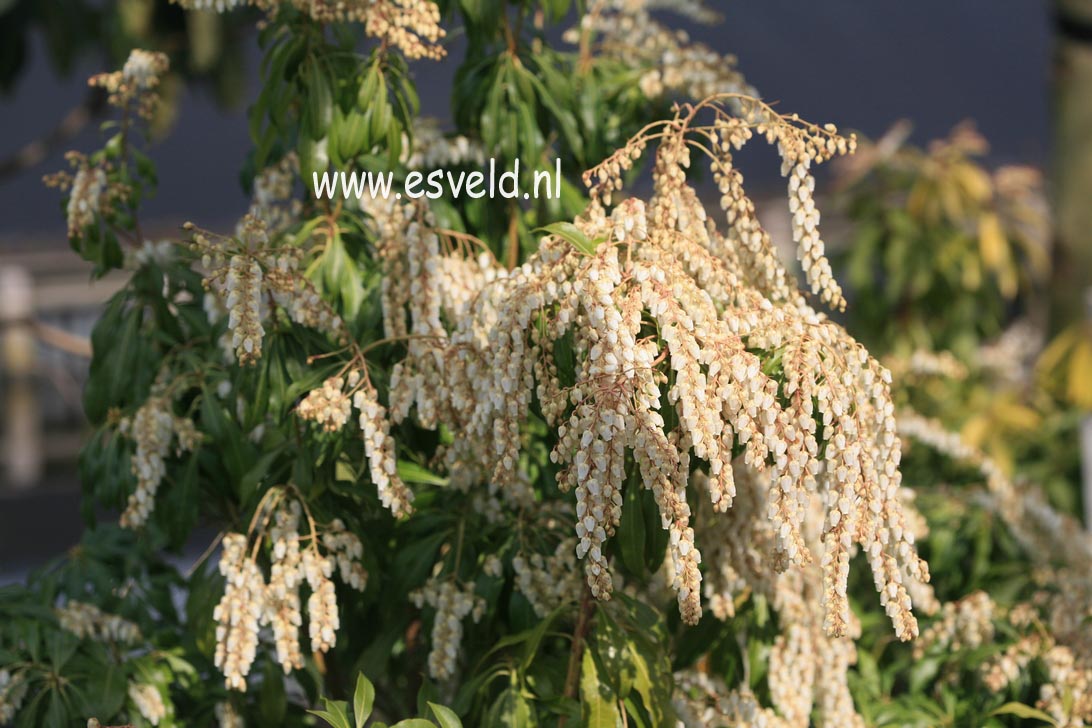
{"type": "Point", "coordinates": [572, 235]}
{"type": "Point", "coordinates": [105, 689]}
{"type": "Point", "coordinates": [511, 710]}
{"type": "Point", "coordinates": [320, 108]}
{"type": "Point", "coordinates": [534, 639]}
{"type": "Point", "coordinates": [272, 702]}
{"type": "Point", "coordinates": [631, 531]}
{"type": "Point", "coordinates": [352, 135]}
{"type": "Point", "coordinates": [411, 472]}
{"type": "Point", "coordinates": [614, 657]}
{"type": "Point", "coordinates": [414, 723]}
{"type": "Point", "coordinates": [363, 699]}
{"type": "Point", "coordinates": [336, 713]}
{"type": "Point", "coordinates": [445, 716]}
{"type": "Point", "coordinates": [1020, 710]}
{"type": "Point", "coordinates": [598, 704]}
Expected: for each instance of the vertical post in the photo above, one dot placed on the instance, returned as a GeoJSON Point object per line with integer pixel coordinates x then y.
{"type": "Point", "coordinates": [1071, 168]}
{"type": "Point", "coordinates": [20, 426]}
{"type": "Point", "coordinates": [1086, 441]}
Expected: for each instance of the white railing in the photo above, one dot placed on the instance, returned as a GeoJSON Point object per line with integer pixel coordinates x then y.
{"type": "Point", "coordinates": [48, 305]}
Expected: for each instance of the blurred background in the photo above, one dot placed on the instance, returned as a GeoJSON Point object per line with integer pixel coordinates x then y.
{"type": "Point", "coordinates": [1020, 69]}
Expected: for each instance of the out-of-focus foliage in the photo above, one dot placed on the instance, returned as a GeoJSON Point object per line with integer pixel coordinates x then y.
{"type": "Point", "coordinates": [947, 261]}
{"type": "Point", "coordinates": [1066, 364]}
{"type": "Point", "coordinates": [203, 45]}
{"type": "Point", "coordinates": [92, 629]}
{"type": "Point", "coordinates": [942, 250]}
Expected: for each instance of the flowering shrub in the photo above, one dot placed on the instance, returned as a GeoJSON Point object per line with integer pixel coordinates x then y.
{"type": "Point", "coordinates": [595, 460]}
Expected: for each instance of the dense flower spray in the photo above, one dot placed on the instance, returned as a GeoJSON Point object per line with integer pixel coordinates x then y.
{"type": "Point", "coordinates": [665, 314]}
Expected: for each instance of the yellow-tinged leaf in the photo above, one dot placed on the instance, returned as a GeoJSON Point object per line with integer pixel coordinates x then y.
{"type": "Point", "coordinates": [1021, 710]}
{"type": "Point", "coordinates": [917, 202]}
{"type": "Point", "coordinates": [599, 706]}
{"type": "Point", "coordinates": [1014, 415]}
{"type": "Point", "coordinates": [994, 248]}
{"type": "Point", "coordinates": [1055, 353]}
{"type": "Point", "coordinates": [951, 198]}
{"type": "Point", "coordinates": [975, 431]}
{"type": "Point", "coordinates": [974, 180]}
{"type": "Point", "coordinates": [1079, 386]}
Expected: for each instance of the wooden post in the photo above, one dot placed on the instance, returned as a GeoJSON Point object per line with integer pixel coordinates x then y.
{"type": "Point", "coordinates": [20, 420]}
{"type": "Point", "coordinates": [1086, 443]}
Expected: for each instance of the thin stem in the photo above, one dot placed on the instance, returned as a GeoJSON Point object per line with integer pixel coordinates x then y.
{"type": "Point", "coordinates": [207, 553]}
{"type": "Point", "coordinates": [576, 652]}
{"type": "Point", "coordinates": [394, 339]}
{"type": "Point", "coordinates": [512, 256]}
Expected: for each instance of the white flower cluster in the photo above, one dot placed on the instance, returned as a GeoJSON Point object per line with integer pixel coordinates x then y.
{"type": "Point", "coordinates": [701, 700]}
{"type": "Point", "coordinates": [240, 271]}
{"type": "Point", "coordinates": [327, 406]}
{"type": "Point", "coordinates": [1012, 356]}
{"type": "Point", "coordinates": [84, 201]}
{"type": "Point", "coordinates": [273, 201]}
{"type": "Point", "coordinates": [379, 448]}
{"type": "Point", "coordinates": [963, 624]}
{"type": "Point", "coordinates": [238, 613]}
{"type": "Point", "coordinates": [220, 6]}
{"type": "Point", "coordinates": [323, 621]}
{"type": "Point", "coordinates": [153, 428]}
{"type": "Point", "coordinates": [1001, 670]}
{"type": "Point", "coordinates": [13, 691]}
{"type": "Point", "coordinates": [227, 717]}
{"type": "Point", "coordinates": [741, 546]}
{"type": "Point", "coordinates": [807, 668]}
{"type": "Point", "coordinates": [243, 286]}
{"type": "Point", "coordinates": [331, 405]}
{"type": "Point", "coordinates": [805, 233]}
{"type": "Point", "coordinates": [432, 149]}
{"type": "Point", "coordinates": [347, 550]}
{"type": "Point", "coordinates": [249, 602]}
{"type": "Point", "coordinates": [1054, 624]}
{"type": "Point", "coordinates": [1067, 696]}
{"type": "Point", "coordinates": [143, 69]}
{"type": "Point", "coordinates": [87, 621]}
{"type": "Point", "coordinates": [133, 88]}
{"type": "Point", "coordinates": [148, 701]}
{"type": "Point", "coordinates": [548, 580]}
{"type": "Point", "coordinates": [693, 390]}
{"type": "Point", "coordinates": [1043, 531]}
{"type": "Point", "coordinates": [925, 363]}
{"type": "Point", "coordinates": [452, 603]}
{"type": "Point", "coordinates": [282, 594]}
{"type": "Point", "coordinates": [412, 26]}
{"type": "Point", "coordinates": [492, 566]}
{"type": "Point", "coordinates": [670, 64]}
{"type": "Point", "coordinates": [150, 252]}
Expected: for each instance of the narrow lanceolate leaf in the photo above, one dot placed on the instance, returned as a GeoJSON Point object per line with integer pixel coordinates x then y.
{"type": "Point", "coordinates": [320, 100]}
{"type": "Point", "coordinates": [571, 234]}
{"type": "Point", "coordinates": [363, 700]}
{"type": "Point", "coordinates": [1020, 710]}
